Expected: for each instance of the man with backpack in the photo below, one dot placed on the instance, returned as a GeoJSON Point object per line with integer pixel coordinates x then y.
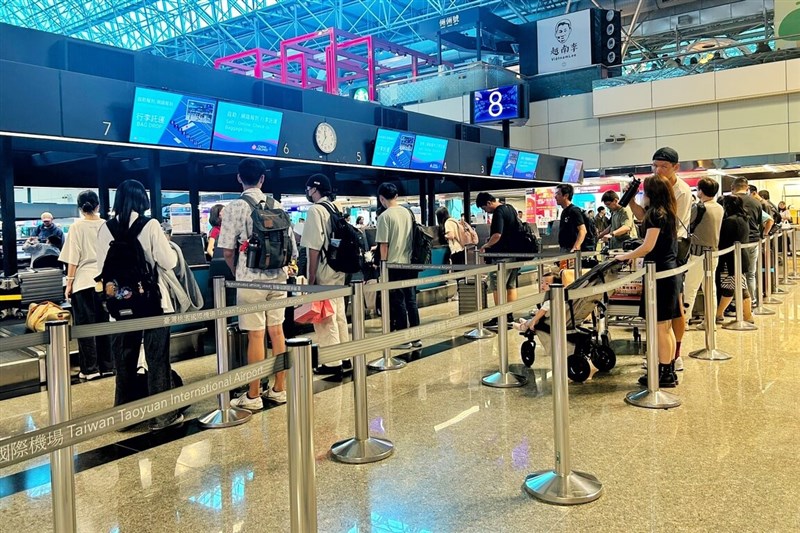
{"type": "Point", "coordinates": [325, 246]}
{"type": "Point", "coordinates": [505, 236]}
{"type": "Point", "coordinates": [394, 236]}
{"type": "Point", "coordinates": [257, 243]}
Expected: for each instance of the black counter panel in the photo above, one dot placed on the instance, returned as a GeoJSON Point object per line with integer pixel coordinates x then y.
{"type": "Point", "coordinates": [96, 108]}
{"type": "Point", "coordinates": [29, 99]}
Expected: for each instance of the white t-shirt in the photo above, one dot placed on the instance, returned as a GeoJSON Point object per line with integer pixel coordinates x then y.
{"type": "Point", "coordinates": [451, 225]}
{"type": "Point", "coordinates": [157, 252]}
{"type": "Point", "coordinates": [81, 249]}
{"type": "Point", "coordinates": [683, 197]}
{"type": "Point", "coordinates": [316, 236]}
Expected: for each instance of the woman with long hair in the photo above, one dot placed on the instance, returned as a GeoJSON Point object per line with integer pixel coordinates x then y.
{"type": "Point", "coordinates": [734, 228]}
{"type": "Point", "coordinates": [215, 220]}
{"type": "Point", "coordinates": [660, 246]}
{"type": "Point", "coordinates": [80, 256]}
{"type": "Point", "coordinates": [130, 203]}
{"type": "Point", "coordinates": [448, 232]}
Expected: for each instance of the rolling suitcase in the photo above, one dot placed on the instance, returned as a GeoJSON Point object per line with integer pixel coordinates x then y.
{"type": "Point", "coordinates": [467, 296]}
{"type": "Point", "coordinates": [46, 284]}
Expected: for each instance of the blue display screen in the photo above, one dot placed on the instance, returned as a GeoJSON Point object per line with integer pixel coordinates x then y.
{"type": "Point", "coordinates": [495, 105]}
{"type": "Point", "coordinates": [428, 153]}
{"type": "Point", "coordinates": [170, 119]}
{"type": "Point", "coordinates": [393, 149]}
{"type": "Point", "coordinates": [526, 166]}
{"type": "Point", "coordinates": [246, 130]}
{"type": "Point", "coordinates": [572, 171]}
{"type": "Point", "coordinates": [504, 163]}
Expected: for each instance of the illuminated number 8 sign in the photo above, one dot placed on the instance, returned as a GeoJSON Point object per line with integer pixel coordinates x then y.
{"type": "Point", "coordinates": [495, 103]}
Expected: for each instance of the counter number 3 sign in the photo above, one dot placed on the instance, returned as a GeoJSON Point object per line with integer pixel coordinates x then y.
{"type": "Point", "coordinates": [325, 138]}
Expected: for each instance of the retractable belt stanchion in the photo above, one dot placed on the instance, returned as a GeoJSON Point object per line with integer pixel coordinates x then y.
{"type": "Point", "coordinates": [362, 448]}
{"type": "Point", "coordinates": [561, 485]}
{"type": "Point", "coordinates": [503, 378]}
{"type": "Point", "coordinates": [652, 397]}
{"type": "Point", "coordinates": [785, 258]}
{"type": "Point", "coordinates": [759, 309]}
{"type": "Point", "coordinates": [387, 362]}
{"type": "Point", "coordinates": [710, 352]}
{"type": "Point", "coordinates": [794, 275]}
{"type": "Point", "coordinates": [62, 468]}
{"type": "Point", "coordinates": [739, 324]}
{"type": "Point", "coordinates": [225, 415]}
{"type": "Point", "coordinates": [578, 261]}
{"type": "Point", "coordinates": [300, 421]}
{"type": "Point", "coordinates": [768, 298]}
{"type": "Point", "coordinates": [776, 289]}
{"type": "Point", "coordinates": [479, 332]}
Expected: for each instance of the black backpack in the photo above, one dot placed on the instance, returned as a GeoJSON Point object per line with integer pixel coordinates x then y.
{"type": "Point", "coordinates": [528, 243]}
{"type": "Point", "coordinates": [590, 241]}
{"type": "Point", "coordinates": [344, 252]}
{"type": "Point", "coordinates": [130, 283]}
{"type": "Point", "coordinates": [271, 230]}
{"type": "Point", "coordinates": [699, 213]}
{"type": "Point", "coordinates": [421, 243]}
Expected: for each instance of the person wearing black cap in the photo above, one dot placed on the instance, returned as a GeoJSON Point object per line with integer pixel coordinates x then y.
{"type": "Point", "coordinates": [666, 165]}
{"type": "Point", "coordinates": [316, 239]}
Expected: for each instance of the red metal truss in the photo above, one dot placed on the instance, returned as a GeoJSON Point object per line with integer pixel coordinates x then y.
{"type": "Point", "coordinates": [343, 57]}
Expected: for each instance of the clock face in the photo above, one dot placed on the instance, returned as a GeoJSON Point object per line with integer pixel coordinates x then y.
{"type": "Point", "coordinates": [325, 138]}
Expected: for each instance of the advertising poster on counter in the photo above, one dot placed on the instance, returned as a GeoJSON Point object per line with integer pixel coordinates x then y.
{"type": "Point", "coordinates": [564, 42]}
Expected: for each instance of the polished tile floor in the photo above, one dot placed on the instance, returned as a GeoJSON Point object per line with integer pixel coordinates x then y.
{"type": "Point", "coordinates": [726, 460]}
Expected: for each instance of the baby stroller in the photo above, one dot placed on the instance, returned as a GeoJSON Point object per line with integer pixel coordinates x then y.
{"type": "Point", "coordinates": [584, 343]}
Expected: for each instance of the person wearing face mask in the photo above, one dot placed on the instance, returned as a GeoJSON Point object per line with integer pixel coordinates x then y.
{"type": "Point", "coordinates": [48, 228]}
{"type": "Point", "coordinates": [660, 246]}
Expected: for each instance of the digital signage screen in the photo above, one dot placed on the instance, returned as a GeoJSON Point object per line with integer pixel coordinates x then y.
{"type": "Point", "coordinates": [526, 166]}
{"type": "Point", "coordinates": [171, 119]}
{"type": "Point", "coordinates": [573, 171]}
{"type": "Point", "coordinates": [393, 149]}
{"type": "Point", "coordinates": [246, 130]}
{"type": "Point", "coordinates": [428, 153]}
{"type": "Point", "coordinates": [504, 163]}
{"type": "Point", "coordinates": [496, 105]}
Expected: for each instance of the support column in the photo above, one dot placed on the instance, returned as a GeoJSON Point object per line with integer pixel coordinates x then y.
{"type": "Point", "coordinates": [101, 169]}
{"type": "Point", "coordinates": [506, 133]}
{"type": "Point", "coordinates": [194, 194]}
{"type": "Point", "coordinates": [467, 200]}
{"type": "Point", "coordinates": [478, 39]}
{"type": "Point", "coordinates": [423, 203]}
{"type": "Point", "coordinates": [154, 184]}
{"type": "Point", "coordinates": [431, 202]}
{"type": "Point", "coordinates": [8, 212]}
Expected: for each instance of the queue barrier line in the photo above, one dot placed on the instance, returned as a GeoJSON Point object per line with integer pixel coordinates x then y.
{"type": "Point", "coordinates": [32, 444]}
{"type": "Point", "coordinates": [287, 287]}
{"type": "Point", "coordinates": [720, 253]}
{"type": "Point", "coordinates": [330, 354]}
{"type": "Point", "coordinates": [605, 287]}
{"type": "Point", "coordinates": [25, 340]}
{"type": "Point", "coordinates": [138, 324]}
{"type": "Point", "coordinates": [681, 269]}
{"type": "Point", "coordinates": [411, 266]}
{"type": "Point", "coordinates": [406, 283]}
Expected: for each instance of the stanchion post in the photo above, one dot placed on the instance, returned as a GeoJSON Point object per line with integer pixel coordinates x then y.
{"type": "Point", "coordinates": [387, 362]}
{"type": "Point", "coordinates": [785, 258]}
{"type": "Point", "coordinates": [479, 332]}
{"type": "Point", "coordinates": [776, 288]}
{"type": "Point", "coordinates": [794, 275]}
{"type": "Point", "coordinates": [769, 298]}
{"type": "Point", "coordinates": [62, 468]}
{"type": "Point", "coordinates": [760, 309]}
{"type": "Point", "coordinates": [362, 448]}
{"type": "Point", "coordinates": [224, 415]}
{"type": "Point", "coordinates": [578, 263]}
{"type": "Point", "coordinates": [710, 352]}
{"type": "Point", "coordinates": [300, 422]}
{"type": "Point", "coordinates": [540, 276]}
{"type": "Point", "coordinates": [503, 378]}
{"type": "Point", "coordinates": [739, 324]}
{"type": "Point", "coordinates": [562, 485]}
{"type": "Point", "coordinates": [652, 397]}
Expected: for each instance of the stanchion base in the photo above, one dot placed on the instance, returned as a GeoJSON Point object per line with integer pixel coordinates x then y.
{"type": "Point", "coordinates": [479, 333]}
{"type": "Point", "coordinates": [710, 355]}
{"type": "Point", "coordinates": [358, 452]}
{"type": "Point", "coordinates": [504, 380]}
{"type": "Point", "coordinates": [573, 489]}
{"type": "Point", "coordinates": [225, 418]}
{"type": "Point", "coordinates": [740, 326]}
{"type": "Point", "coordinates": [778, 290]}
{"type": "Point", "coordinates": [761, 310]}
{"type": "Point", "coordinates": [652, 400]}
{"type": "Point", "coordinates": [789, 281]}
{"type": "Point", "coordinates": [393, 363]}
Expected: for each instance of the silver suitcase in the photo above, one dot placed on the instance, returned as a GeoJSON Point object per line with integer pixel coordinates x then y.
{"type": "Point", "coordinates": [40, 285]}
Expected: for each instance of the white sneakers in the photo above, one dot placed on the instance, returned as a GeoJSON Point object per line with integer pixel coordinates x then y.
{"type": "Point", "coordinates": [88, 377]}
{"type": "Point", "coordinates": [276, 396]}
{"type": "Point", "coordinates": [245, 402]}
{"type": "Point", "coordinates": [678, 364]}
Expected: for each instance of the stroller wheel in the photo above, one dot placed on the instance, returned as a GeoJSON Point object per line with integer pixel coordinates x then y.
{"type": "Point", "coordinates": [604, 358]}
{"type": "Point", "coordinates": [528, 352]}
{"type": "Point", "coordinates": [578, 368]}
{"type": "Point", "coordinates": [605, 340]}
{"type": "Point", "coordinates": [637, 338]}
